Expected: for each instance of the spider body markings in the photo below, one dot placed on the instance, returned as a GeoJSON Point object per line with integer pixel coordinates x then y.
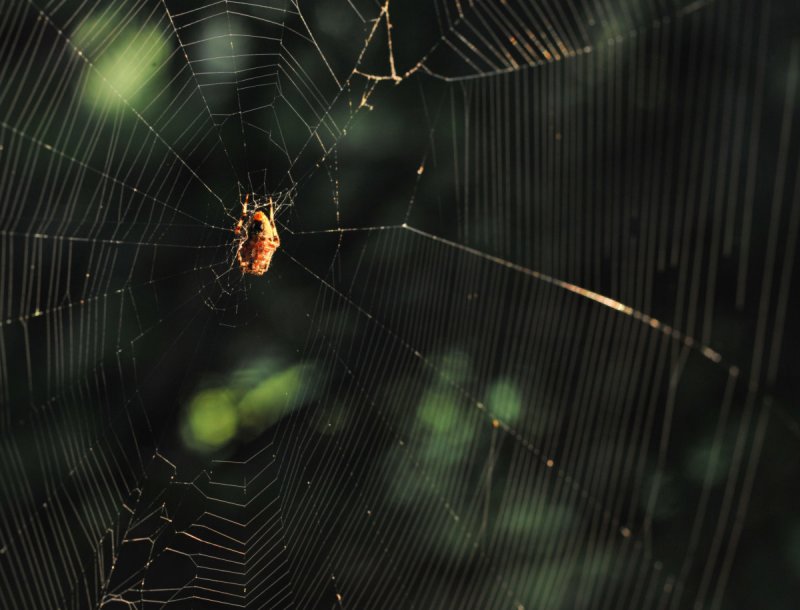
{"type": "Point", "coordinates": [258, 239]}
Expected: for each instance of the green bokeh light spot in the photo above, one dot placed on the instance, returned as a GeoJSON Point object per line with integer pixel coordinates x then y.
{"type": "Point", "coordinates": [212, 420]}
{"type": "Point", "coordinates": [254, 399]}
{"type": "Point", "coordinates": [505, 401]}
{"type": "Point", "coordinates": [449, 431]}
{"type": "Point", "coordinates": [273, 398]}
{"type": "Point", "coordinates": [437, 412]}
{"type": "Point", "coordinates": [130, 69]}
{"type": "Point", "coordinates": [455, 366]}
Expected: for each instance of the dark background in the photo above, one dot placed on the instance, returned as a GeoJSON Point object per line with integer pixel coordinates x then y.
{"type": "Point", "coordinates": [528, 341]}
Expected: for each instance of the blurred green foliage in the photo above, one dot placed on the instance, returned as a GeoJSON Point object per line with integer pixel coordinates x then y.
{"type": "Point", "coordinates": [131, 68]}
{"type": "Point", "coordinates": [254, 399]}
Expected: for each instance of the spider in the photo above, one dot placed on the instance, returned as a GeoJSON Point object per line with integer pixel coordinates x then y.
{"type": "Point", "coordinates": [258, 239]}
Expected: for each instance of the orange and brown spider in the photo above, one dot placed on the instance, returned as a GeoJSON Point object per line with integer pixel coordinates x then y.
{"type": "Point", "coordinates": [258, 239]}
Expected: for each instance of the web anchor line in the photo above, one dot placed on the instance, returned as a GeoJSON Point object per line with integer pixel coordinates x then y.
{"type": "Point", "coordinates": [707, 352]}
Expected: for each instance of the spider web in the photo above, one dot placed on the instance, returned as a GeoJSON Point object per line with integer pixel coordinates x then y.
{"type": "Point", "coordinates": [526, 343]}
